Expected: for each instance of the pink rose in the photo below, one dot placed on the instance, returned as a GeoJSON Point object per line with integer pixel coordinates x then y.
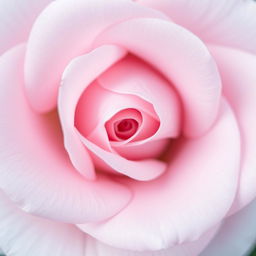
{"type": "Point", "coordinates": [127, 127]}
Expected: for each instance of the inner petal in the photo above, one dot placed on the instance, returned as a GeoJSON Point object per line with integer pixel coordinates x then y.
{"type": "Point", "coordinates": [132, 76]}
{"type": "Point", "coordinates": [132, 148]}
{"type": "Point", "coordinates": [125, 128]}
{"type": "Point", "coordinates": [124, 125]}
{"type": "Point", "coordinates": [113, 106]}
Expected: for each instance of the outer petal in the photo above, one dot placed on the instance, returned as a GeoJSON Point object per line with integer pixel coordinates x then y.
{"type": "Point", "coordinates": [63, 31]}
{"type": "Point", "coordinates": [194, 194]}
{"type": "Point", "coordinates": [34, 168]}
{"type": "Point", "coordinates": [22, 234]}
{"type": "Point", "coordinates": [239, 83]}
{"type": "Point", "coordinates": [182, 58]}
{"type": "Point", "coordinates": [229, 22]}
{"type": "Point", "coordinates": [96, 248]}
{"type": "Point", "coordinates": [16, 20]}
{"type": "Point", "coordinates": [237, 235]}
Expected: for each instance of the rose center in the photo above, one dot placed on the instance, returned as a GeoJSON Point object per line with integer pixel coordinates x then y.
{"type": "Point", "coordinates": [125, 128]}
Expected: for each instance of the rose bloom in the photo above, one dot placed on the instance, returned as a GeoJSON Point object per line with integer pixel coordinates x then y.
{"type": "Point", "coordinates": [127, 127]}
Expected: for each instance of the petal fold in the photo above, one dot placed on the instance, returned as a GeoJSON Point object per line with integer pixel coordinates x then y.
{"type": "Point", "coordinates": [143, 170]}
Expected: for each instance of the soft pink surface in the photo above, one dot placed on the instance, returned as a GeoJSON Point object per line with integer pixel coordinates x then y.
{"type": "Point", "coordinates": [192, 90]}
{"type": "Point", "coordinates": [187, 63]}
{"type": "Point", "coordinates": [64, 30]}
{"type": "Point", "coordinates": [229, 23]}
{"type": "Point", "coordinates": [132, 76]}
{"type": "Point", "coordinates": [22, 234]}
{"type": "Point", "coordinates": [77, 76]}
{"type": "Point", "coordinates": [42, 237]}
{"type": "Point", "coordinates": [16, 20]}
{"type": "Point", "coordinates": [238, 74]}
{"type": "Point", "coordinates": [151, 149]}
{"type": "Point", "coordinates": [184, 202]}
{"type": "Point", "coordinates": [125, 128]}
{"type": "Point", "coordinates": [91, 117]}
{"type": "Point", "coordinates": [129, 84]}
{"type": "Point", "coordinates": [194, 248]}
{"type": "Point", "coordinates": [124, 125]}
{"type": "Point", "coordinates": [143, 170]}
{"type": "Point", "coordinates": [35, 170]}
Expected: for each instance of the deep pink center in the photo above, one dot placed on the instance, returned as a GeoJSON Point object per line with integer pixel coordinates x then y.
{"type": "Point", "coordinates": [125, 128]}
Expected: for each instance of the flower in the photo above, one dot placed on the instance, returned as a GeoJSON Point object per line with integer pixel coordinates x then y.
{"type": "Point", "coordinates": [127, 127]}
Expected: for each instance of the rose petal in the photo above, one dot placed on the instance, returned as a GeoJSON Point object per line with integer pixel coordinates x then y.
{"type": "Point", "coordinates": [182, 58]}
{"type": "Point", "coordinates": [229, 22]}
{"type": "Point", "coordinates": [126, 114]}
{"type": "Point", "coordinates": [135, 151]}
{"type": "Point", "coordinates": [96, 248]}
{"type": "Point", "coordinates": [149, 128]}
{"type": "Point", "coordinates": [132, 76]}
{"type": "Point", "coordinates": [78, 75]}
{"type": "Point", "coordinates": [140, 170]}
{"type": "Point", "coordinates": [238, 74]}
{"type": "Point", "coordinates": [63, 31]}
{"type": "Point", "coordinates": [35, 171]}
{"type": "Point", "coordinates": [237, 235]}
{"type": "Point", "coordinates": [16, 20]}
{"type": "Point", "coordinates": [194, 194]}
{"type": "Point", "coordinates": [22, 234]}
